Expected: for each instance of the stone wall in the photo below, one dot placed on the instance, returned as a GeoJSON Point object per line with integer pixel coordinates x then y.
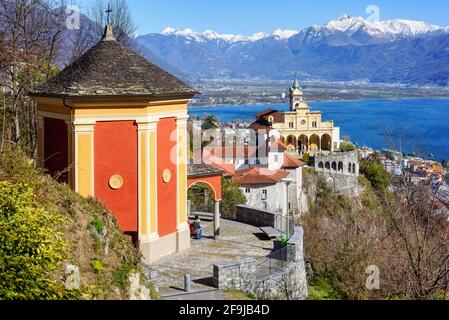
{"type": "Point", "coordinates": [346, 163]}
{"type": "Point", "coordinates": [256, 217]}
{"type": "Point", "coordinates": [341, 171]}
{"type": "Point", "coordinates": [238, 275]}
{"type": "Point", "coordinates": [288, 283]}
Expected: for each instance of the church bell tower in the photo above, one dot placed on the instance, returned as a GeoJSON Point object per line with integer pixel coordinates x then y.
{"type": "Point", "coordinates": [296, 95]}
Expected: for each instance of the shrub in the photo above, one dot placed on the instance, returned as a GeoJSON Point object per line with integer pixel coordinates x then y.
{"type": "Point", "coordinates": [232, 197]}
{"type": "Point", "coordinates": [346, 146]}
{"type": "Point", "coordinates": [31, 247]}
{"type": "Point", "coordinates": [97, 265]}
{"type": "Point", "coordinates": [98, 225]}
{"type": "Point", "coordinates": [121, 276]}
{"type": "Point", "coordinates": [306, 158]}
{"type": "Point", "coordinates": [375, 172]}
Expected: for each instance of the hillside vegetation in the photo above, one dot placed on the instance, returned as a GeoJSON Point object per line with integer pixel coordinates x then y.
{"type": "Point", "coordinates": [381, 245]}
{"type": "Point", "coordinates": [48, 232]}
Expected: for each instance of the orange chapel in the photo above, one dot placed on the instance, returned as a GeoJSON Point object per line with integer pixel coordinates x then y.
{"type": "Point", "coordinates": [117, 124]}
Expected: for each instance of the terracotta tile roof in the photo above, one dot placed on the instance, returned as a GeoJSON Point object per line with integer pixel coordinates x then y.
{"type": "Point", "coordinates": [260, 126]}
{"type": "Point", "coordinates": [229, 169]}
{"type": "Point", "coordinates": [262, 122]}
{"type": "Point", "coordinates": [259, 176]}
{"type": "Point", "coordinates": [110, 69]}
{"type": "Point", "coordinates": [265, 113]}
{"type": "Point", "coordinates": [278, 116]}
{"type": "Point", "coordinates": [292, 162]}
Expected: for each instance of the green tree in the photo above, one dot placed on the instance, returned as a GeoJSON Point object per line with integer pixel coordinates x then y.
{"type": "Point", "coordinates": [306, 158]}
{"type": "Point", "coordinates": [232, 197]}
{"type": "Point", "coordinates": [375, 172]}
{"type": "Point", "coordinates": [347, 146]}
{"type": "Point", "coordinates": [211, 122]}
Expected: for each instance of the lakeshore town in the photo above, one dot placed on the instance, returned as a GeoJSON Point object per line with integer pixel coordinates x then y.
{"type": "Point", "coordinates": [301, 133]}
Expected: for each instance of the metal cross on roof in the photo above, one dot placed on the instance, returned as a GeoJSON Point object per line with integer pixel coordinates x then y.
{"type": "Point", "coordinates": [108, 11]}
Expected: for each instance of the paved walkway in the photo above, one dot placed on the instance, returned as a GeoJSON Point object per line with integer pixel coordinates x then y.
{"type": "Point", "coordinates": [237, 241]}
{"type": "Point", "coordinates": [210, 295]}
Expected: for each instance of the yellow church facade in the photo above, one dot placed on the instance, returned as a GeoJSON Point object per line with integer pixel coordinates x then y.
{"type": "Point", "coordinates": [301, 129]}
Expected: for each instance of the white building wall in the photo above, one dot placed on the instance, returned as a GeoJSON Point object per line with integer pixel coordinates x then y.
{"type": "Point", "coordinates": [241, 164]}
{"type": "Point", "coordinates": [274, 201]}
{"type": "Point", "coordinates": [295, 190]}
{"type": "Point", "coordinates": [275, 160]}
{"type": "Point", "coordinates": [336, 139]}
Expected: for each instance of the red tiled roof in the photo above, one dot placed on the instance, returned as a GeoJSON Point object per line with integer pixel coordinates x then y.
{"type": "Point", "coordinates": [291, 162]}
{"type": "Point", "coordinates": [228, 168]}
{"type": "Point", "coordinates": [265, 112]}
{"type": "Point", "coordinates": [258, 126]}
{"type": "Point", "coordinates": [259, 176]}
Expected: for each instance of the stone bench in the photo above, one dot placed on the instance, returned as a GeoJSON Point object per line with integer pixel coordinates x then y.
{"type": "Point", "coordinates": [271, 232]}
{"type": "Point", "coordinates": [202, 215]}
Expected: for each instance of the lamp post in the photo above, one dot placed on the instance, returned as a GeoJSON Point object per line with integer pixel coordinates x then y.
{"type": "Point", "coordinates": [287, 183]}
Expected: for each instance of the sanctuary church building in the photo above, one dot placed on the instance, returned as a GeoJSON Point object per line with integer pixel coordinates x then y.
{"type": "Point", "coordinates": [301, 129]}
{"type": "Point", "coordinates": [117, 124]}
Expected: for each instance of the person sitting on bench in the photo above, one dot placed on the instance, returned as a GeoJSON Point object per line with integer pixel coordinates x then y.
{"type": "Point", "coordinates": [196, 231]}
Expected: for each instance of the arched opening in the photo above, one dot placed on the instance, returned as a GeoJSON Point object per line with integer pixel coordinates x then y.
{"type": "Point", "coordinates": [340, 167]}
{"type": "Point", "coordinates": [321, 166]}
{"type": "Point", "coordinates": [315, 143]}
{"type": "Point", "coordinates": [303, 143]}
{"type": "Point", "coordinates": [353, 169]}
{"type": "Point", "coordinates": [291, 143]}
{"type": "Point", "coordinates": [326, 142]}
{"type": "Point", "coordinates": [334, 166]}
{"type": "Point", "coordinates": [202, 197]}
{"type": "Point", "coordinates": [328, 165]}
{"type": "Point", "coordinates": [350, 167]}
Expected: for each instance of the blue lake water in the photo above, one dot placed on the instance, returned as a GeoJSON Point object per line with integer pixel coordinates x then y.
{"type": "Point", "coordinates": [416, 125]}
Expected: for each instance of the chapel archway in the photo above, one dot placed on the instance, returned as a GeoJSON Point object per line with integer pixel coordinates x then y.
{"type": "Point", "coordinates": [314, 143]}
{"type": "Point", "coordinates": [303, 143]}
{"type": "Point", "coordinates": [326, 142]}
{"type": "Point", "coordinates": [291, 143]}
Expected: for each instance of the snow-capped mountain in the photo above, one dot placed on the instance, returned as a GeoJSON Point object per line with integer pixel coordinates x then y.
{"type": "Point", "coordinates": [348, 48]}
{"type": "Point", "coordinates": [351, 25]}
{"type": "Point", "coordinates": [231, 38]}
{"type": "Point", "coordinates": [346, 24]}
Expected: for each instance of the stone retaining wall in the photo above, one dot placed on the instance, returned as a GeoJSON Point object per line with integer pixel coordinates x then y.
{"type": "Point", "coordinates": [256, 217]}
{"type": "Point", "coordinates": [289, 283]}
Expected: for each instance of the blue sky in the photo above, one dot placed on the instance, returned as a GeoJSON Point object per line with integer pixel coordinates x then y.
{"type": "Point", "coordinates": [251, 16]}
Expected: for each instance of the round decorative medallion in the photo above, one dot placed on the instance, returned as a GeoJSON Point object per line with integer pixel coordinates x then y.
{"type": "Point", "coordinates": [166, 176]}
{"type": "Point", "coordinates": [116, 182]}
{"type": "Point", "coordinates": [303, 122]}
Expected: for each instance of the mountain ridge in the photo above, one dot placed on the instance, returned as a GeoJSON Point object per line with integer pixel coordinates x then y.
{"type": "Point", "coordinates": [346, 49]}
{"type": "Point", "coordinates": [345, 23]}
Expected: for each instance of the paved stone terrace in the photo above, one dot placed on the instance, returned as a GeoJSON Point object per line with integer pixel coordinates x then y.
{"type": "Point", "coordinates": [237, 241]}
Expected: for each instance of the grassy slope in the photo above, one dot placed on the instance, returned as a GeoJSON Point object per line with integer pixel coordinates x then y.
{"type": "Point", "coordinates": [95, 244]}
